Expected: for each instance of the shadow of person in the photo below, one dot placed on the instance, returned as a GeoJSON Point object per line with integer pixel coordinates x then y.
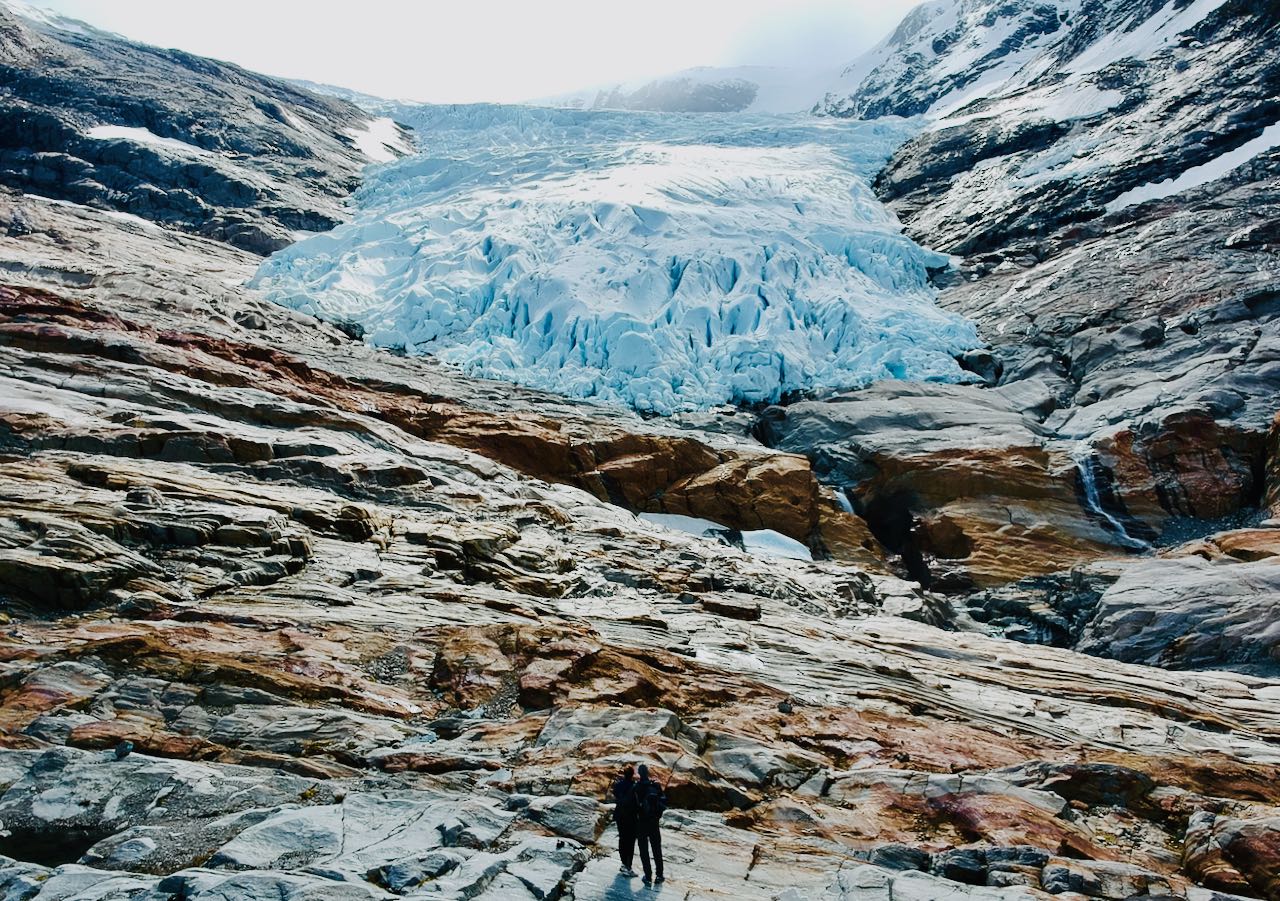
{"type": "Point", "coordinates": [625, 887]}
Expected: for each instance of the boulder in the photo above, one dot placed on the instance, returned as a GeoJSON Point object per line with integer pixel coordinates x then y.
{"type": "Point", "coordinates": [1235, 855]}
{"type": "Point", "coordinates": [1190, 613]}
{"type": "Point", "coordinates": [571, 816]}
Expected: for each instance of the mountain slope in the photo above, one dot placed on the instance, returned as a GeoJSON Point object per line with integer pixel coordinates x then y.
{"type": "Point", "coordinates": [1106, 172]}
{"type": "Point", "coordinates": [91, 118]}
{"type": "Point", "coordinates": [1045, 114]}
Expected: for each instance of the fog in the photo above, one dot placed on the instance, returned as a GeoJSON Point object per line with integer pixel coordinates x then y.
{"type": "Point", "coordinates": [501, 50]}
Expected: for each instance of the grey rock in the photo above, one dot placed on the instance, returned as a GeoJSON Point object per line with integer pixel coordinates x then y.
{"type": "Point", "coordinates": [569, 727]}
{"type": "Point", "coordinates": [1190, 613]}
{"type": "Point", "coordinates": [572, 816]}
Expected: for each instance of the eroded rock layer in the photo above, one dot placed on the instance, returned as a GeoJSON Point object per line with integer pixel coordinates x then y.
{"type": "Point", "coordinates": [366, 635]}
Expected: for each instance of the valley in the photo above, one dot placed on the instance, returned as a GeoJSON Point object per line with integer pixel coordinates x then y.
{"type": "Point", "coordinates": [378, 481]}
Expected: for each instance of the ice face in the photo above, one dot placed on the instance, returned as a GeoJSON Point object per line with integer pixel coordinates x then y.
{"type": "Point", "coordinates": [662, 261]}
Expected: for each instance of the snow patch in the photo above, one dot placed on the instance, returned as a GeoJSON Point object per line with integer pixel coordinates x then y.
{"type": "Point", "coordinates": [768, 543]}
{"type": "Point", "coordinates": [662, 261]}
{"type": "Point", "coordinates": [1061, 103]}
{"type": "Point", "coordinates": [757, 542]}
{"type": "Point", "coordinates": [690, 524]}
{"type": "Point", "coordinates": [1199, 175]}
{"type": "Point", "coordinates": [143, 136]}
{"type": "Point", "coordinates": [1148, 38]}
{"type": "Point", "coordinates": [380, 140]}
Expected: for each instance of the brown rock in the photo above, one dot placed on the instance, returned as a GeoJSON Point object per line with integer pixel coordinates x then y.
{"type": "Point", "coordinates": [1234, 855]}
{"type": "Point", "coordinates": [1189, 466]}
{"type": "Point", "coordinates": [732, 607]}
{"type": "Point", "coordinates": [846, 536]}
{"type": "Point", "coordinates": [982, 517]}
{"type": "Point", "coordinates": [775, 492]}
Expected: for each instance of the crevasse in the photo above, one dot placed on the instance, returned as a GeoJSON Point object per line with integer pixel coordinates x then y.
{"type": "Point", "coordinates": [666, 262]}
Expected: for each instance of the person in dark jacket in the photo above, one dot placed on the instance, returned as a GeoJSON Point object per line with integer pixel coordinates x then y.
{"type": "Point", "coordinates": [651, 801]}
{"type": "Point", "coordinates": [625, 812]}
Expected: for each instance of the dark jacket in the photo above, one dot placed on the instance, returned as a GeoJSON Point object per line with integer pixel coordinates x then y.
{"type": "Point", "coordinates": [624, 793]}
{"type": "Point", "coordinates": [650, 802]}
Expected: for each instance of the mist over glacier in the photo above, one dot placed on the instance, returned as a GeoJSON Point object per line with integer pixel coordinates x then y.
{"type": "Point", "coordinates": [665, 262]}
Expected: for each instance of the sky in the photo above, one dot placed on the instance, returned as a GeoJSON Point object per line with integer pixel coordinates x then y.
{"type": "Point", "coordinates": [455, 51]}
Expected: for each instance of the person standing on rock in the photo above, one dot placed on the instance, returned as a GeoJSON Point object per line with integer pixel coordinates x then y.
{"type": "Point", "coordinates": [651, 801]}
{"type": "Point", "coordinates": [625, 812]}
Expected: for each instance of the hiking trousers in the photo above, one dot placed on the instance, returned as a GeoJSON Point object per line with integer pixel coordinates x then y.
{"type": "Point", "coordinates": [627, 841]}
{"type": "Point", "coordinates": [650, 837]}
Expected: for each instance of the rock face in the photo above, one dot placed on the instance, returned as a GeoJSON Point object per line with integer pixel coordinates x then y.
{"type": "Point", "coordinates": [91, 118]}
{"type": "Point", "coordinates": [359, 651]}
{"type": "Point", "coordinates": [966, 487]}
{"type": "Point", "coordinates": [1129, 386]}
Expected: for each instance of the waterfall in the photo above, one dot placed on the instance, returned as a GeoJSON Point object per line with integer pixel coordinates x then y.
{"type": "Point", "coordinates": [842, 498]}
{"type": "Point", "coordinates": [1086, 463]}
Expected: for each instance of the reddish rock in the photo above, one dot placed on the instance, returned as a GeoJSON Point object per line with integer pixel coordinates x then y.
{"type": "Point", "coordinates": [1190, 465]}
{"type": "Point", "coordinates": [775, 491]}
{"type": "Point", "coordinates": [1241, 856]}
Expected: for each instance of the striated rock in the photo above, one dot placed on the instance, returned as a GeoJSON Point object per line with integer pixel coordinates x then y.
{"type": "Point", "coordinates": [398, 630]}
{"type": "Point", "coordinates": [955, 479]}
{"type": "Point", "coordinates": [732, 607]}
{"type": "Point", "coordinates": [1239, 856]}
{"type": "Point", "coordinates": [1189, 613]}
{"type": "Point", "coordinates": [1187, 466]}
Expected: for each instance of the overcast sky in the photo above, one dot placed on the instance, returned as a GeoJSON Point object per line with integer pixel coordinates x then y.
{"type": "Point", "coordinates": [500, 50]}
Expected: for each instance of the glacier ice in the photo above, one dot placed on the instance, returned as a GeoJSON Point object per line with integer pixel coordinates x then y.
{"type": "Point", "coordinates": [668, 262]}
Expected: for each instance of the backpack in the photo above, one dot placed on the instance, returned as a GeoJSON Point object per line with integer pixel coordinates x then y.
{"type": "Point", "coordinates": [652, 802]}
{"type": "Point", "coordinates": [624, 793]}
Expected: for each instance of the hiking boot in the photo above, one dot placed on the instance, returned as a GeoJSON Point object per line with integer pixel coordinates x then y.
{"type": "Point", "coordinates": [628, 872]}
{"type": "Point", "coordinates": [660, 879]}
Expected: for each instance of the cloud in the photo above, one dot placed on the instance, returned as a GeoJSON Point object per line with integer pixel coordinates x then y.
{"type": "Point", "coordinates": [502, 50]}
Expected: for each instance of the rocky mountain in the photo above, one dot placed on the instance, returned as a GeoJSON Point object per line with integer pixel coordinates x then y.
{"type": "Point", "coordinates": [1106, 174]}
{"type": "Point", "coordinates": [91, 118]}
{"type": "Point", "coordinates": [286, 615]}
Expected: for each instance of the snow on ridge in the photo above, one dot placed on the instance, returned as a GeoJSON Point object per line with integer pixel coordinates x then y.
{"type": "Point", "coordinates": [664, 262]}
{"type": "Point", "coordinates": [1199, 175]}
{"type": "Point", "coordinates": [1144, 40]}
{"type": "Point", "coordinates": [380, 140]}
{"type": "Point", "coordinates": [143, 136]}
{"type": "Point", "coordinates": [49, 19]}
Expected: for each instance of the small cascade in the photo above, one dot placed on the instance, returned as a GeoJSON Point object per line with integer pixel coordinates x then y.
{"type": "Point", "coordinates": [842, 498]}
{"type": "Point", "coordinates": [1086, 463]}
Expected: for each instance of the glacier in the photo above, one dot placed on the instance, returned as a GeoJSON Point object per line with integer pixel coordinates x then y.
{"type": "Point", "coordinates": [667, 262]}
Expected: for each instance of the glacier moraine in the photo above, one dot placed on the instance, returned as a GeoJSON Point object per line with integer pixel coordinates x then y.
{"type": "Point", "coordinates": [666, 262]}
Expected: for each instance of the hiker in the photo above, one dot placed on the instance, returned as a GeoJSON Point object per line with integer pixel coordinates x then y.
{"type": "Point", "coordinates": [651, 801]}
{"type": "Point", "coordinates": [624, 815]}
